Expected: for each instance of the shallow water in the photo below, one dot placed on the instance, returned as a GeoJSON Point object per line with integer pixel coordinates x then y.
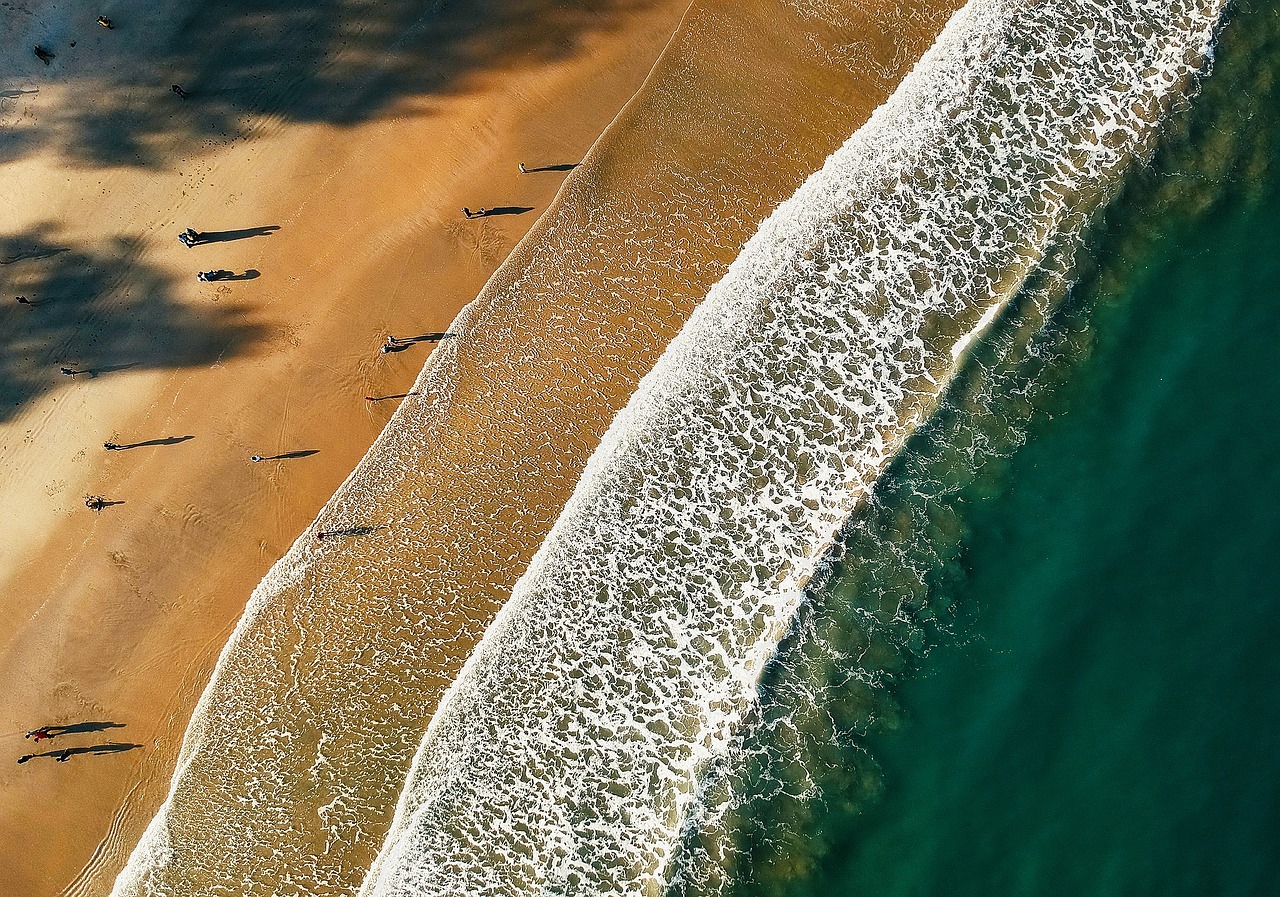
{"type": "Point", "coordinates": [1046, 662]}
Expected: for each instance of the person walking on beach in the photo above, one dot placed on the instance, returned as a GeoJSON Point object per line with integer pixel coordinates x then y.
{"type": "Point", "coordinates": [189, 237]}
{"type": "Point", "coordinates": [23, 300]}
{"type": "Point", "coordinates": [69, 372]}
{"type": "Point", "coordinates": [255, 458]}
{"type": "Point", "coordinates": [40, 734]}
{"type": "Point", "coordinates": [523, 170]}
{"type": "Point", "coordinates": [179, 91]}
{"type": "Point", "coordinates": [106, 23]}
{"type": "Point", "coordinates": [477, 214]}
{"type": "Point", "coordinates": [111, 446]}
{"type": "Point", "coordinates": [43, 55]}
{"type": "Point", "coordinates": [64, 756]}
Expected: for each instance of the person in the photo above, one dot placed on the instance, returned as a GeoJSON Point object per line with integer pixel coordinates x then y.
{"type": "Point", "coordinates": [179, 91]}
{"type": "Point", "coordinates": [321, 536]}
{"type": "Point", "coordinates": [69, 372]}
{"type": "Point", "coordinates": [468, 212]}
{"type": "Point", "coordinates": [39, 734]}
{"type": "Point", "coordinates": [23, 300]}
{"type": "Point", "coordinates": [189, 237]}
{"type": "Point", "coordinates": [255, 458]}
{"type": "Point", "coordinates": [111, 446]}
{"type": "Point", "coordinates": [523, 170]}
{"type": "Point", "coordinates": [43, 55]}
{"type": "Point", "coordinates": [64, 756]}
{"type": "Point", "coordinates": [105, 22]}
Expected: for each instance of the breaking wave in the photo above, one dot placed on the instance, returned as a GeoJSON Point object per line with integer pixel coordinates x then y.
{"type": "Point", "coordinates": [566, 757]}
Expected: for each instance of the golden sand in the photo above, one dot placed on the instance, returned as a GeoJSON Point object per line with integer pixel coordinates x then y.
{"type": "Point", "coordinates": [120, 616]}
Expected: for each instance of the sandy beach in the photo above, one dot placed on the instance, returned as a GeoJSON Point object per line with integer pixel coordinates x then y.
{"type": "Point", "coordinates": [361, 147]}
{"type": "Point", "coordinates": [360, 142]}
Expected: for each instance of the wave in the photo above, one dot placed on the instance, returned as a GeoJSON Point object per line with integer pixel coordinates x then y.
{"type": "Point", "coordinates": [565, 758]}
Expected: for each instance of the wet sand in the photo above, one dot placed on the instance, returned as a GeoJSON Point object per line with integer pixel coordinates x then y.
{"type": "Point", "coordinates": [300, 747]}
{"type": "Point", "coordinates": [360, 142]}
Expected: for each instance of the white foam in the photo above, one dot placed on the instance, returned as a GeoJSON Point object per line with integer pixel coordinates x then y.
{"type": "Point", "coordinates": [565, 757]}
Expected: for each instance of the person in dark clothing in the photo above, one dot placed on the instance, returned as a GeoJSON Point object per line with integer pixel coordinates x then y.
{"type": "Point", "coordinates": [43, 55]}
{"type": "Point", "coordinates": [179, 91]}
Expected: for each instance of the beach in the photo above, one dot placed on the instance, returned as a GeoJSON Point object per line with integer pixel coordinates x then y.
{"type": "Point", "coordinates": [323, 692]}
{"type": "Point", "coordinates": [119, 616]}
{"type": "Point", "coordinates": [593, 417]}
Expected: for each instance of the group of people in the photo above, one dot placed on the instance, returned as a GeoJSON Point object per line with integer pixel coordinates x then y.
{"type": "Point", "coordinates": [47, 57]}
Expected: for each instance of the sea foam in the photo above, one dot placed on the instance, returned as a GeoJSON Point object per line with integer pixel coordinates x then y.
{"type": "Point", "coordinates": [566, 756]}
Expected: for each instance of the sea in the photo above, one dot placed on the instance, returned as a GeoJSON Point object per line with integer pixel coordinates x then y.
{"type": "Point", "coordinates": [933, 556]}
{"type": "Point", "coordinates": [1044, 660]}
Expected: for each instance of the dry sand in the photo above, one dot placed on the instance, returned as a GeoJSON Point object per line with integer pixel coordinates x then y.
{"type": "Point", "coordinates": [323, 695]}
{"type": "Point", "coordinates": [359, 132]}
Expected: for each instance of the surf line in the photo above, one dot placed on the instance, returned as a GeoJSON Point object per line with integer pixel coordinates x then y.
{"type": "Point", "coordinates": [565, 757]}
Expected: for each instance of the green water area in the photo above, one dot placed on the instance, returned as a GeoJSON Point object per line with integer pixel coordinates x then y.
{"type": "Point", "coordinates": [1085, 698]}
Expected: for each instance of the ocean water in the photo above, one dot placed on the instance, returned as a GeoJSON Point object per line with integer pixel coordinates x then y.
{"type": "Point", "coordinates": [1045, 661]}
{"type": "Point", "coordinates": [605, 735]}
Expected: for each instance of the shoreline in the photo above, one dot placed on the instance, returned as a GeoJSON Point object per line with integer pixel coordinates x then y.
{"type": "Point", "coordinates": [465, 493]}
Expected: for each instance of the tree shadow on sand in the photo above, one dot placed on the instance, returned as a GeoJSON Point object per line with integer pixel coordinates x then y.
{"type": "Point", "coordinates": [101, 309]}
{"type": "Point", "coordinates": [332, 61]}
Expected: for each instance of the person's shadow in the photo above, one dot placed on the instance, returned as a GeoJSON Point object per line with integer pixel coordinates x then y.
{"type": "Point", "coordinates": [226, 236]}
{"type": "Point", "coordinates": [93, 505]}
{"type": "Point", "coordinates": [566, 166]}
{"type": "Point", "coordinates": [506, 210]}
{"type": "Point", "coordinates": [64, 754]}
{"type": "Point", "coordinates": [251, 274]}
{"type": "Point", "coordinates": [168, 440]}
{"type": "Point", "coordinates": [79, 728]}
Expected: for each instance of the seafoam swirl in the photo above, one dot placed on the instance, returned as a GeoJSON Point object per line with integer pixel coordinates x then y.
{"type": "Point", "coordinates": [565, 757]}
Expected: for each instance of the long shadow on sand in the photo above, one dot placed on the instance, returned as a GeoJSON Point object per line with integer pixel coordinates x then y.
{"type": "Point", "coordinates": [244, 233]}
{"type": "Point", "coordinates": [104, 308]}
{"type": "Point", "coordinates": [333, 61]}
{"type": "Point", "coordinates": [87, 726]}
{"type": "Point", "coordinates": [64, 754]}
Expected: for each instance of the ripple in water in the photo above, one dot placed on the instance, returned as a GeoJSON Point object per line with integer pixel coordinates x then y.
{"type": "Point", "coordinates": [566, 757]}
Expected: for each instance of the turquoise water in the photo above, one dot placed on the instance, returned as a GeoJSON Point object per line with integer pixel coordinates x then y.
{"type": "Point", "coordinates": [1047, 662]}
